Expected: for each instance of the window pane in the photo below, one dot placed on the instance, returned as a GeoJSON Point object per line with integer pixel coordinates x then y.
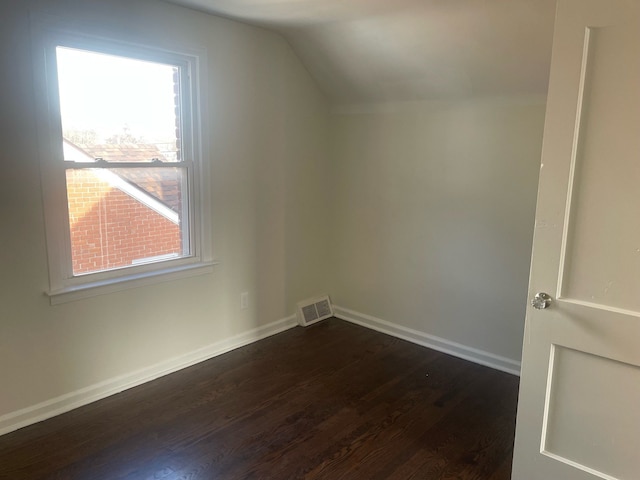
{"type": "Point", "coordinates": [118, 109]}
{"type": "Point", "coordinates": [126, 216]}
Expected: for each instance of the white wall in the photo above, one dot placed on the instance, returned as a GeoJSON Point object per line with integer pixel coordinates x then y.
{"type": "Point", "coordinates": [266, 126]}
{"type": "Point", "coordinates": [433, 213]}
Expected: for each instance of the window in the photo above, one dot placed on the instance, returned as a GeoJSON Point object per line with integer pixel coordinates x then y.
{"type": "Point", "coordinates": [123, 179]}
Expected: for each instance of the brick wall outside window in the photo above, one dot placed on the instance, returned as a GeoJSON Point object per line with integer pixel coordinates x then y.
{"type": "Point", "coordinates": [110, 229]}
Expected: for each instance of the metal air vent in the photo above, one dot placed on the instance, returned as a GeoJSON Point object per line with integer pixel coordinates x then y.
{"type": "Point", "coordinates": [313, 310]}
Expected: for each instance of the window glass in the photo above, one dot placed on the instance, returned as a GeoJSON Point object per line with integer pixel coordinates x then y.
{"type": "Point", "coordinates": [124, 109]}
{"type": "Point", "coordinates": [124, 217]}
{"type": "Point", "coordinates": [123, 115]}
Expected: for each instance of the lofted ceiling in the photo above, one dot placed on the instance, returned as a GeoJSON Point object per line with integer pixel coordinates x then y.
{"type": "Point", "coordinates": [365, 51]}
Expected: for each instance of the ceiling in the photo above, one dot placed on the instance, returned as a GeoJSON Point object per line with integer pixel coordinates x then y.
{"type": "Point", "coordinates": [366, 51]}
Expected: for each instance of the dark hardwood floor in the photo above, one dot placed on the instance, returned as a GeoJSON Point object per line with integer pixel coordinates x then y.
{"type": "Point", "coordinates": [332, 401]}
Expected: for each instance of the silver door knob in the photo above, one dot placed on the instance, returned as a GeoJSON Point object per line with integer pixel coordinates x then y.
{"type": "Point", "coordinates": [541, 300]}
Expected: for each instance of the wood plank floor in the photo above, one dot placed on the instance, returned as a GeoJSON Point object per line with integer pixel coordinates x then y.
{"type": "Point", "coordinates": [332, 401]}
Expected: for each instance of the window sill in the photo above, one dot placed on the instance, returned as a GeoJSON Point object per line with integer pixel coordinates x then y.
{"type": "Point", "coordinates": [102, 287]}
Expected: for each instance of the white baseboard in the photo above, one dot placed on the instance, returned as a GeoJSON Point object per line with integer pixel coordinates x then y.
{"type": "Point", "coordinates": [436, 343]}
{"type": "Point", "coordinates": [64, 403]}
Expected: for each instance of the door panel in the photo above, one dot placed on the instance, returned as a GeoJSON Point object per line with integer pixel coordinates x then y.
{"type": "Point", "coordinates": [603, 252]}
{"type": "Point", "coordinates": [580, 388]}
{"type": "Point", "coordinates": [579, 406]}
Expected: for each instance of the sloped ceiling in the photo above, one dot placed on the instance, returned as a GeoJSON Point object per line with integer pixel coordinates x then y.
{"type": "Point", "coordinates": [365, 51]}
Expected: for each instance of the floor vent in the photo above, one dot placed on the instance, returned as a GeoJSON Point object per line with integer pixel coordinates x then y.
{"type": "Point", "coordinates": [313, 310]}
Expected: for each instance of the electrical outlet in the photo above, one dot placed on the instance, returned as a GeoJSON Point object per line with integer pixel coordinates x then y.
{"type": "Point", "coordinates": [244, 300]}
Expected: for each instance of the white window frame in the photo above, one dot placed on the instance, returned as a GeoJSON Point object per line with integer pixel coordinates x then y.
{"type": "Point", "coordinates": [63, 285]}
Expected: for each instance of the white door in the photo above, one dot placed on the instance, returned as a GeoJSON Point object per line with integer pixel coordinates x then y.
{"type": "Point", "coordinates": [579, 407]}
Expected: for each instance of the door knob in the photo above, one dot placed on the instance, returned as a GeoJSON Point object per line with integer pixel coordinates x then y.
{"type": "Point", "coordinates": [541, 300]}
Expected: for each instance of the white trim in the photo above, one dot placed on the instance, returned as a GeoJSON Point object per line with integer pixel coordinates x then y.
{"type": "Point", "coordinates": [155, 258]}
{"type": "Point", "coordinates": [111, 285]}
{"type": "Point", "coordinates": [547, 397]}
{"type": "Point", "coordinates": [475, 355]}
{"type": "Point", "coordinates": [599, 306]}
{"type": "Point", "coordinates": [69, 401]}
{"type": "Point", "coordinates": [575, 151]}
{"type": "Point", "coordinates": [578, 466]}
